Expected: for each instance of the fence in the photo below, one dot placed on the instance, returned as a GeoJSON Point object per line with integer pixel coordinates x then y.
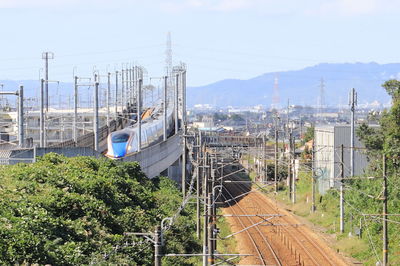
{"type": "Point", "coordinates": [11, 157]}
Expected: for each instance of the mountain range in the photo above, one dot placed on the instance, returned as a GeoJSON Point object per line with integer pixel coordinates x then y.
{"type": "Point", "coordinates": [301, 87]}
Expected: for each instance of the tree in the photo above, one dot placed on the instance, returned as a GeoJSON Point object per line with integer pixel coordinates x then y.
{"type": "Point", "coordinates": [392, 87]}
{"type": "Point", "coordinates": [309, 135]}
{"type": "Point", "coordinates": [74, 211]}
{"type": "Point", "coordinates": [386, 139]}
{"type": "Point", "coordinates": [219, 117]}
{"type": "Point", "coordinates": [379, 141]}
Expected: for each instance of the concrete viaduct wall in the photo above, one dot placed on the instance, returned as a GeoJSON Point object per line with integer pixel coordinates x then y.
{"type": "Point", "coordinates": [153, 160]}
{"type": "Point", "coordinates": [157, 158]}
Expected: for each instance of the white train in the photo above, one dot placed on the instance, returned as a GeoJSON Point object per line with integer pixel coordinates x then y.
{"type": "Point", "coordinates": [124, 142]}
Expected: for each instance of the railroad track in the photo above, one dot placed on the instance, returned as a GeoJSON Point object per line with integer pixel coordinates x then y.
{"type": "Point", "coordinates": [299, 245]}
{"type": "Point", "coordinates": [263, 248]}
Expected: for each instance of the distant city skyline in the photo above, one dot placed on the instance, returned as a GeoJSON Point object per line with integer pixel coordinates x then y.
{"type": "Point", "coordinates": [218, 39]}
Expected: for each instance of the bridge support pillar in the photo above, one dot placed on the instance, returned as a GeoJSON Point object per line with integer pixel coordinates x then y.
{"type": "Point", "coordinates": [174, 172]}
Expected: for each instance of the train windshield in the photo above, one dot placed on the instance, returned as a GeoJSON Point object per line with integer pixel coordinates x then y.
{"type": "Point", "coordinates": [120, 138]}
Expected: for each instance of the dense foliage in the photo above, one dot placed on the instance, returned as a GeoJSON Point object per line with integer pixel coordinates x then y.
{"type": "Point", "coordinates": [282, 172]}
{"type": "Point", "coordinates": [69, 211]}
{"type": "Point", "coordinates": [309, 134]}
{"type": "Point", "coordinates": [365, 196]}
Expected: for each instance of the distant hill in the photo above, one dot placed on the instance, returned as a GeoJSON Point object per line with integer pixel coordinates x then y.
{"type": "Point", "coordinates": [59, 92]}
{"type": "Point", "coordinates": [301, 86]}
{"type": "Point", "coordinates": [32, 87]}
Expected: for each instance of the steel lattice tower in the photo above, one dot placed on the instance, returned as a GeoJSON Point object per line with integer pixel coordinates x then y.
{"type": "Point", "coordinates": [321, 98]}
{"type": "Point", "coordinates": [275, 98]}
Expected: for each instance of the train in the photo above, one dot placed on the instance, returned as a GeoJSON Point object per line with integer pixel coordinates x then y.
{"type": "Point", "coordinates": [124, 142]}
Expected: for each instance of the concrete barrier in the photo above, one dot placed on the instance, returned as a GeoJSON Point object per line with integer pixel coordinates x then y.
{"type": "Point", "coordinates": [157, 158]}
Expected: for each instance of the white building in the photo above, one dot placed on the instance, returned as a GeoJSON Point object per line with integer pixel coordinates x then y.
{"type": "Point", "coordinates": [58, 124]}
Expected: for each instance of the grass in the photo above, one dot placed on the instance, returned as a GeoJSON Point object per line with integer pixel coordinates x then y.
{"type": "Point", "coordinates": [226, 246]}
{"type": "Point", "coordinates": [327, 217]}
{"type": "Point", "coordinates": [367, 249]}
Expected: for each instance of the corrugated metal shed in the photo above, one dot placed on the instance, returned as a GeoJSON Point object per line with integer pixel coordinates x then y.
{"type": "Point", "coordinates": [328, 141]}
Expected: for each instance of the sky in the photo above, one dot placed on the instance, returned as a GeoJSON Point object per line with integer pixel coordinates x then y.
{"type": "Point", "coordinates": [217, 39]}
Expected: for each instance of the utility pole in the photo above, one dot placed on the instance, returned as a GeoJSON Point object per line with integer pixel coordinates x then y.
{"type": "Point", "coordinates": [384, 216]}
{"type": "Point", "coordinates": [62, 129]}
{"type": "Point", "coordinates": [176, 103]}
{"type": "Point", "coordinates": [289, 153]}
{"type": "Point", "coordinates": [293, 170]}
{"type": "Point", "coordinates": [211, 215]}
{"type": "Point", "coordinates": [165, 109]}
{"type": "Point", "coordinates": [342, 190]}
{"type": "Point", "coordinates": [214, 208]}
{"type": "Point", "coordinates": [108, 99]}
{"type": "Point", "coordinates": [96, 116]}
{"type": "Point", "coordinates": [198, 159]}
{"type": "Point", "coordinates": [122, 90]}
{"type": "Point", "coordinates": [313, 177]}
{"type": "Point", "coordinates": [46, 56]}
{"type": "Point", "coordinates": [130, 98]}
{"type": "Point", "coordinates": [184, 96]}
{"type": "Point", "coordinates": [135, 78]}
{"type": "Point", "coordinates": [301, 127]}
{"type": "Point", "coordinates": [264, 159]}
{"type": "Point", "coordinates": [75, 121]}
{"type": "Point", "coordinates": [21, 116]}
{"type": "Point", "coordinates": [157, 246]}
{"type": "Point", "coordinates": [276, 157]}
{"type": "Point", "coordinates": [139, 114]}
{"type": "Point", "coordinates": [184, 162]}
{"type": "Point", "coordinates": [133, 85]}
{"type": "Point", "coordinates": [116, 96]}
{"type": "Point", "coordinates": [287, 119]}
{"type": "Point", "coordinates": [353, 103]}
{"type": "Point", "coordinates": [42, 129]}
{"type": "Point", "coordinates": [126, 98]}
{"type": "Point", "coordinates": [205, 194]}
{"type": "Point", "coordinates": [258, 157]}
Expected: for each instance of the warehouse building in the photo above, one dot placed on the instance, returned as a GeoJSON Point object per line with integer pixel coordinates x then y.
{"type": "Point", "coordinates": [328, 141]}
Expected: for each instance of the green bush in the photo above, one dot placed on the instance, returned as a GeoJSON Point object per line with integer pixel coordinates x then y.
{"type": "Point", "coordinates": [68, 211]}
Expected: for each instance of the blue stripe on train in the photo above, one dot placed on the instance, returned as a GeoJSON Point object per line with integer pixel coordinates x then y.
{"type": "Point", "coordinates": [119, 149]}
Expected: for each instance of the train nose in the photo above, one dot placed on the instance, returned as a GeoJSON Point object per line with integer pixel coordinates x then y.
{"type": "Point", "coordinates": [119, 149]}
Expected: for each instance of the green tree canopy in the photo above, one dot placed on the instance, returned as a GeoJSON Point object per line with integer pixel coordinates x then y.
{"type": "Point", "coordinates": [74, 211]}
{"type": "Point", "coordinates": [309, 135]}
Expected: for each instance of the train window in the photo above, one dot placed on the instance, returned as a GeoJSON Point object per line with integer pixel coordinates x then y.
{"type": "Point", "coordinates": [119, 138]}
